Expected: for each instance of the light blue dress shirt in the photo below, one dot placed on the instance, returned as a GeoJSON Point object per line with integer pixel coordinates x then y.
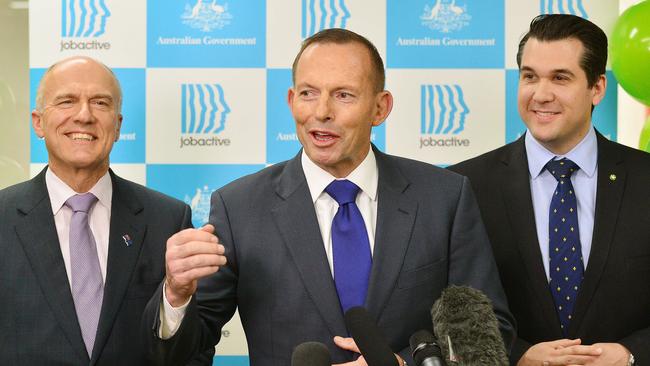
{"type": "Point", "coordinates": [542, 185]}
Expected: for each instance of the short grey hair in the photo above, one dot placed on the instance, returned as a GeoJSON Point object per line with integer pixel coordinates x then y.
{"type": "Point", "coordinates": [41, 84]}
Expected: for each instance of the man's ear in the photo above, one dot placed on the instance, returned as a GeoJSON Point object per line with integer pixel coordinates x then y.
{"type": "Point", "coordinates": [384, 105]}
{"type": "Point", "coordinates": [599, 89]}
{"type": "Point", "coordinates": [118, 127]}
{"type": "Point", "coordinates": [290, 94]}
{"type": "Point", "coordinates": [38, 124]}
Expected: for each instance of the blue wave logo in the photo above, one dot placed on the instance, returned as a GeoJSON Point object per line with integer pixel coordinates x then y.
{"type": "Point", "coordinates": [83, 18]}
{"type": "Point", "coordinates": [445, 16]}
{"type": "Point", "coordinates": [204, 108]}
{"type": "Point", "coordinates": [573, 7]}
{"type": "Point", "coordinates": [442, 109]}
{"type": "Point", "coordinates": [323, 14]}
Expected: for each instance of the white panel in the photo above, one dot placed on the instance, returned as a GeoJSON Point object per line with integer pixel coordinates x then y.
{"type": "Point", "coordinates": [120, 42]}
{"type": "Point", "coordinates": [284, 25]}
{"type": "Point", "coordinates": [242, 140]}
{"type": "Point", "coordinates": [482, 106]}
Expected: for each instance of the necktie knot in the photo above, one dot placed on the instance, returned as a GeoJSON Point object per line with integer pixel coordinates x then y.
{"type": "Point", "coordinates": [81, 202]}
{"type": "Point", "coordinates": [343, 191]}
{"type": "Point", "coordinates": [561, 169]}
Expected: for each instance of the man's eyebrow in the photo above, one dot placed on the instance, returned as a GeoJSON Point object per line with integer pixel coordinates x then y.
{"type": "Point", "coordinates": [74, 96]}
{"type": "Point", "coordinates": [563, 71]}
{"type": "Point", "coordinates": [554, 71]}
{"type": "Point", "coordinates": [102, 95]}
{"type": "Point", "coordinates": [64, 96]}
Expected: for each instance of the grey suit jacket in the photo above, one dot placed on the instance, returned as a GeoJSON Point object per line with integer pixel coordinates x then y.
{"type": "Point", "coordinates": [429, 235]}
{"type": "Point", "coordinates": [38, 321]}
{"type": "Point", "coordinates": [614, 302]}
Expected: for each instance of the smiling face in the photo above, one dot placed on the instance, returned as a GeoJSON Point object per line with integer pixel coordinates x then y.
{"type": "Point", "coordinates": [335, 105]}
{"type": "Point", "coordinates": [554, 98]}
{"type": "Point", "coordinates": [79, 117]}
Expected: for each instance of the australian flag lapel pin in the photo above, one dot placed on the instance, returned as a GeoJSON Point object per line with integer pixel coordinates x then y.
{"type": "Point", "coordinates": [127, 240]}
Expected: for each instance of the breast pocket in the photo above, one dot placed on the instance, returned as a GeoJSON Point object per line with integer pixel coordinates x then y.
{"type": "Point", "coordinates": [423, 274]}
{"type": "Point", "coordinates": [638, 264]}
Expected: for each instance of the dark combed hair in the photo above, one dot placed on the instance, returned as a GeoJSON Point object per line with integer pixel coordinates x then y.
{"type": "Point", "coordinates": [344, 36]}
{"type": "Point", "coordinates": [555, 27]}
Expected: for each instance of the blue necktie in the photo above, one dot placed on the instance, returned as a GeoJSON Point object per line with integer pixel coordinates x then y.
{"type": "Point", "coordinates": [350, 246]}
{"type": "Point", "coordinates": [565, 254]}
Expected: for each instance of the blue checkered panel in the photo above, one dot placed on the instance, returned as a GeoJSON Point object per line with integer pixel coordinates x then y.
{"type": "Point", "coordinates": [205, 82]}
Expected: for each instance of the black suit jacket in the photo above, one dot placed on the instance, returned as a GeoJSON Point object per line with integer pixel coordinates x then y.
{"type": "Point", "coordinates": [429, 234]}
{"type": "Point", "coordinates": [614, 302]}
{"type": "Point", "coordinates": [38, 321]}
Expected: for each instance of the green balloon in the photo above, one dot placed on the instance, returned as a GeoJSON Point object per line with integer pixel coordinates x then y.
{"type": "Point", "coordinates": [644, 140]}
{"type": "Point", "coordinates": [630, 51]}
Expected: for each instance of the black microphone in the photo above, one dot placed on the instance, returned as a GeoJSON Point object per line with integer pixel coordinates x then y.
{"type": "Point", "coordinates": [371, 342]}
{"type": "Point", "coordinates": [467, 329]}
{"type": "Point", "coordinates": [311, 354]}
{"type": "Point", "coordinates": [424, 349]}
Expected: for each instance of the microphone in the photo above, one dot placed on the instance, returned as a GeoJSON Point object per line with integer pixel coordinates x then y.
{"type": "Point", "coordinates": [371, 342]}
{"type": "Point", "coordinates": [311, 354]}
{"type": "Point", "coordinates": [424, 349]}
{"type": "Point", "coordinates": [467, 329]}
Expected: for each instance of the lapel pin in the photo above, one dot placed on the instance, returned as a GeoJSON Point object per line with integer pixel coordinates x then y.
{"type": "Point", "coordinates": [127, 240]}
{"type": "Point", "coordinates": [612, 177]}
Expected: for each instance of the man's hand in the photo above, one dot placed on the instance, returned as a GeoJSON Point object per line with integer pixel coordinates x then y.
{"type": "Point", "coordinates": [613, 354]}
{"type": "Point", "coordinates": [560, 352]}
{"type": "Point", "coordinates": [191, 254]}
{"type": "Point", "coordinates": [348, 344]}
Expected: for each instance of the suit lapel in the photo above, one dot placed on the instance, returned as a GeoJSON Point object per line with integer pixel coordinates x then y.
{"type": "Point", "coordinates": [126, 219]}
{"type": "Point", "coordinates": [38, 236]}
{"type": "Point", "coordinates": [515, 185]}
{"type": "Point", "coordinates": [295, 218]}
{"type": "Point", "coordinates": [609, 193]}
{"type": "Point", "coordinates": [396, 214]}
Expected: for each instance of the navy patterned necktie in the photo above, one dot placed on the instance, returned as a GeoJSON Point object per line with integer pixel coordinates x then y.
{"type": "Point", "coordinates": [87, 282]}
{"type": "Point", "coordinates": [565, 254]}
{"type": "Point", "coordinates": [350, 246]}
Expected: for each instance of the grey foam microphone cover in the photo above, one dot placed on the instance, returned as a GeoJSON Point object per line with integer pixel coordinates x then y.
{"type": "Point", "coordinates": [463, 316]}
{"type": "Point", "coordinates": [311, 354]}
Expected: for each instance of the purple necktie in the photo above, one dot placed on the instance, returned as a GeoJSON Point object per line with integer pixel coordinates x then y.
{"type": "Point", "coordinates": [87, 282]}
{"type": "Point", "coordinates": [350, 246]}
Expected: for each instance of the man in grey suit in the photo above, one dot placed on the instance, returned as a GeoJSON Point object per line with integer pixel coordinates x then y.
{"type": "Point", "coordinates": [75, 280]}
{"type": "Point", "coordinates": [283, 229]}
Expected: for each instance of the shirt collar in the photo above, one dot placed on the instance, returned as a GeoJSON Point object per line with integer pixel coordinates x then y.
{"type": "Point", "coordinates": [365, 176]}
{"type": "Point", "coordinates": [584, 154]}
{"type": "Point", "coordinates": [59, 191]}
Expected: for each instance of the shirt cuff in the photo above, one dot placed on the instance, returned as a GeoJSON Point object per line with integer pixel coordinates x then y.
{"type": "Point", "coordinates": [170, 317]}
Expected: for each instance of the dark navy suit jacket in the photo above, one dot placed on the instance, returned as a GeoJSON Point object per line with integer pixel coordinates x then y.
{"type": "Point", "coordinates": [614, 302]}
{"type": "Point", "coordinates": [38, 322]}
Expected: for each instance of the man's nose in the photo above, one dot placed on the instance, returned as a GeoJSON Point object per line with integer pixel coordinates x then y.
{"type": "Point", "coordinates": [84, 113]}
{"type": "Point", "coordinates": [324, 110]}
{"type": "Point", "coordinates": [543, 92]}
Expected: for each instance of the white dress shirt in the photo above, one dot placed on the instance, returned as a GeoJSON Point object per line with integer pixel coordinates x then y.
{"type": "Point", "coordinates": [543, 184]}
{"type": "Point", "coordinates": [99, 216]}
{"type": "Point", "coordinates": [365, 176]}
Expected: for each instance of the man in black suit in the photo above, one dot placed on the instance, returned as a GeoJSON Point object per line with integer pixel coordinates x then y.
{"type": "Point", "coordinates": [574, 262]}
{"type": "Point", "coordinates": [75, 280]}
{"type": "Point", "coordinates": [419, 230]}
